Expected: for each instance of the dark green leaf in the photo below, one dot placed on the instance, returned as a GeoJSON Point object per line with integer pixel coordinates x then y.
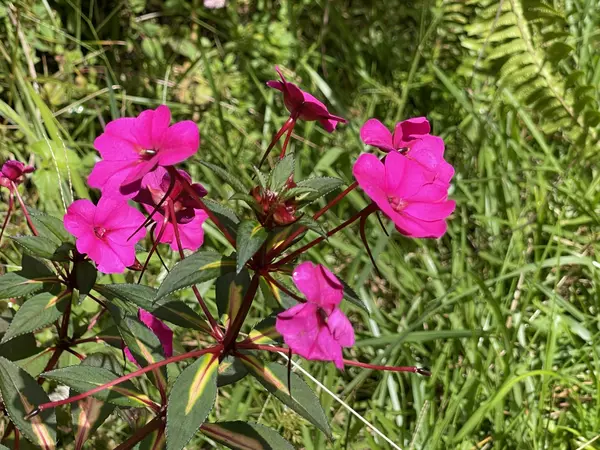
{"type": "Point", "coordinates": [20, 347]}
{"type": "Point", "coordinates": [50, 227]}
{"type": "Point", "coordinates": [245, 436]}
{"type": "Point", "coordinates": [85, 277]}
{"type": "Point", "coordinates": [44, 247]}
{"type": "Point", "coordinates": [352, 297]}
{"type": "Point", "coordinates": [230, 291]}
{"type": "Point", "coordinates": [36, 313]}
{"type": "Point", "coordinates": [192, 397]}
{"type": "Point", "coordinates": [233, 180]}
{"type": "Point", "coordinates": [226, 215]}
{"type": "Point", "coordinates": [264, 332]}
{"type": "Point", "coordinates": [20, 395]}
{"type": "Point", "coordinates": [302, 399]}
{"type": "Point", "coordinates": [321, 186]}
{"type": "Point", "coordinates": [167, 308]}
{"type": "Point", "coordinates": [13, 285]}
{"type": "Point", "coordinates": [251, 235]}
{"type": "Point", "coordinates": [197, 268]}
{"type": "Point", "coordinates": [281, 173]}
{"type": "Point", "coordinates": [231, 370]}
{"type": "Point", "coordinates": [312, 224]}
{"type": "Point", "coordinates": [84, 377]}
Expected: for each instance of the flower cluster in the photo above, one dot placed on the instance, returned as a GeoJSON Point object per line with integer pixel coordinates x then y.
{"type": "Point", "coordinates": [135, 153]}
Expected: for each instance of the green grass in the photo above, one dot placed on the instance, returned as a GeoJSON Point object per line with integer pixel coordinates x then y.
{"type": "Point", "coordinates": [504, 309]}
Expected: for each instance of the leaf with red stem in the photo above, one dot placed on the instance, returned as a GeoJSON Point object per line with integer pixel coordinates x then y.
{"type": "Point", "coordinates": [363, 237]}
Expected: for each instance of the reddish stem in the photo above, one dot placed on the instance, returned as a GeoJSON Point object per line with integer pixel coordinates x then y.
{"type": "Point", "coordinates": [140, 434]}
{"type": "Point", "coordinates": [348, 362]}
{"type": "Point", "coordinates": [234, 329]}
{"type": "Point", "coordinates": [154, 245]}
{"type": "Point", "coordinates": [192, 193]}
{"type": "Point", "coordinates": [73, 352]}
{"type": "Point", "coordinates": [217, 333]}
{"type": "Point", "coordinates": [289, 124]}
{"type": "Point", "coordinates": [283, 247]}
{"type": "Point", "coordinates": [311, 244]}
{"type": "Point", "coordinates": [193, 354]}
{"type": "Point", "coordinates": [286, 142]}
{"type": "Point", "coordinates": [156, 208]}
{"type": "Point", "coordinates": [11, 203]}
{"type": "Point", "coordinates": [24, 209]}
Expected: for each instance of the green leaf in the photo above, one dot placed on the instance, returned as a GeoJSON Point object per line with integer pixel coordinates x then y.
{"type": "Point", "coordinates": [245, 436]}
{"type": "Point", "coordinates": [192, 397]}
{"type": "Point", "coordinates": [84, 377]}
{"type": "Point", "coordinates": [230, 291]}
{"type": "Point", "coordinates": [13, 285]}
{"type": "Point", "coordinates": [312, 224]}
{"type": "Point", "coordinates": [20, 395]}
{"type": "Point", "coordinates": [44, 247]}
{"type": "Point", "coordinates": [85, 277]}
{"type": "Point", "coordinates": [231, 370]}
{"type": "Point", "coordinates": [226, 215]}
{"type": "Point", "coordinates": [320, 185]}
{"type": "Point", "coordinates": [302, 399]}
{"type": "Point", "coordinates": [50, 227]}
{"type": "Point", "coordinates": [233, 180]}
{"type": "Point", "coordinates": [88, 414]}
{"type": "Point", "coordinates": [167, 308]}
{"type": "Point", "coordinates": [251, 235]}
{"type": "Point", "coordinates": [264, 332]}
{"type": "Point", "coordinates": [197, 268]}
{"type": "Point", "coordinates": [281, 173]}
{"type": "Point", "coordinates": [36, 313]}
{"type": "Point", "coordinates": [281, 298]}
{"type": "Point", "coordinates": [351, 295]}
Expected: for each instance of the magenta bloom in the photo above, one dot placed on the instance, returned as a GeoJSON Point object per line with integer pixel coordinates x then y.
{"type": "Point", "coordinates": [318, 329]}
{"type": "Point", "coordinates": [132, 147]}
{"type": "Point", "coordinates": [189, 220]}
{"type": "Point", "coordinates": [302, 105]}
{"type": "Point", "coordinates": [13, 172]}
{"type": "Point", "coordinates": [103, 232]}
{"type": "Point", "coordinates": [162, 332]}
{"type": "Point", "coordinates": [374, 133]}
{"type": "Point", "coordinates": [404, 191]}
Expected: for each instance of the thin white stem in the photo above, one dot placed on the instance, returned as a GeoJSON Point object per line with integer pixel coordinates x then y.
{"type": "Point", "coordinates": [344, 404]}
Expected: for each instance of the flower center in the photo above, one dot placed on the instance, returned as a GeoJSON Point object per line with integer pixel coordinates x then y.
{"type": "Point", "coordinates": [100, 232]}
{"type": "Point", "coordinates": [148, 153]}
{"type": "Point", "coordinates": [396, 203]}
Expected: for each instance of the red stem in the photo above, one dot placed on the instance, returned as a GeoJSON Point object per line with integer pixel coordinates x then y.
{"type": "Point", "coordinates": [192, 193]}
{"type": "Point", "coordinates": [311, 244]}
{"type": "Point", "coordinates": [154, 245]}
{"type": "Point", "coordinates": [286, 142]}
{"type": "Point", "coordinates": [348, 362]}
{"type": "Point", "coordinates": [193, 354]}
{"type": "Point", "coordinates": [289, 124]}
{"type": "Point", "coordinates": [217, 333]}
{"type": "Point", "coordinates": [283, 247]}
{"type": "Point", "coordinates": [24, 209]}
{"type": "Point", "coordinates": [282, 287]}
{"type": "Point", "coordinates": [11, 202]}
{"type": "Point", "coordinates": [234, 329]}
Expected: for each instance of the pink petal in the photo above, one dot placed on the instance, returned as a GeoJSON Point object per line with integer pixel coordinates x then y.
{"type": "Point", "coordinates": [102, 254]}
{"type": "Point", "coordinates": [79, 219]}
{"type": "Point", "coordinates": [419, 229]}
{"type": "Point", "coordinates": [276, 84]}
{"type": "Point", "coordinates": [162, 331]}
{"type": "Point", "coordinates": [139, 170]}
{"type": "Point", "coordinates": [108, 176]}
{"type": "Point", "coordinates": [430, 212]}
{"type": "Point", "coordinates": [118, 256]}
{"type": "Point", "coordinates": [328, 124]}
{"type": "Point", "coordinates": [403, 177]}
{"type": "Point", "coordinates": [374, 133]}
{"type": "Point", "coordinates": [299, 327]}
{"type": "Point", "coordinates": [430, 193]}
{"type": "Point", "coordinates": [409, 130]}
{"type": "Point", "coordinates": [341, 328]}
{"type": "Point", "coordinates": [191, 234]}
{"type": "Point", "coordinates": [150, 126]}
{"type": "Point", "coordinates": [154, 179]}
{"type": "Point", "coordinates": [370, 174]}
{"type": "Point", "coordinates": [318, 284]}
{"type": "Point", "coordinates": [179, 143]}
{"type": "Point", "coordinates": [429, 152]}
{"type": "Point", "coordinates": [326, 348]}
{"type": "Point", "coordinates": [117, 142]}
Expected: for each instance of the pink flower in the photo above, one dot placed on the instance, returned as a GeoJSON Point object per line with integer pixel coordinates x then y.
{"type": "Point", "coordinates": [13, 172]}
{"type": "Point", "coordinates": [162, 332]}
{"type": "Point", "coordinates": [404, 190]}
{"type": "Point", "coordinates": [317, 330]}
{"type": "Point", "coordinates": [189, 220]}
{"type": "Point", "coordinates": [374, 133]}
{"type": "Point", "coordinates": [132, 147]}
{"type": "Point", "coordinates": [103, 232]}
{"type": "Point", "coordinates": [302, 105]}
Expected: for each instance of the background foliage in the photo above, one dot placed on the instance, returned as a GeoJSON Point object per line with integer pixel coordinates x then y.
{"type": "Point", "coordinates": [503, 309]}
